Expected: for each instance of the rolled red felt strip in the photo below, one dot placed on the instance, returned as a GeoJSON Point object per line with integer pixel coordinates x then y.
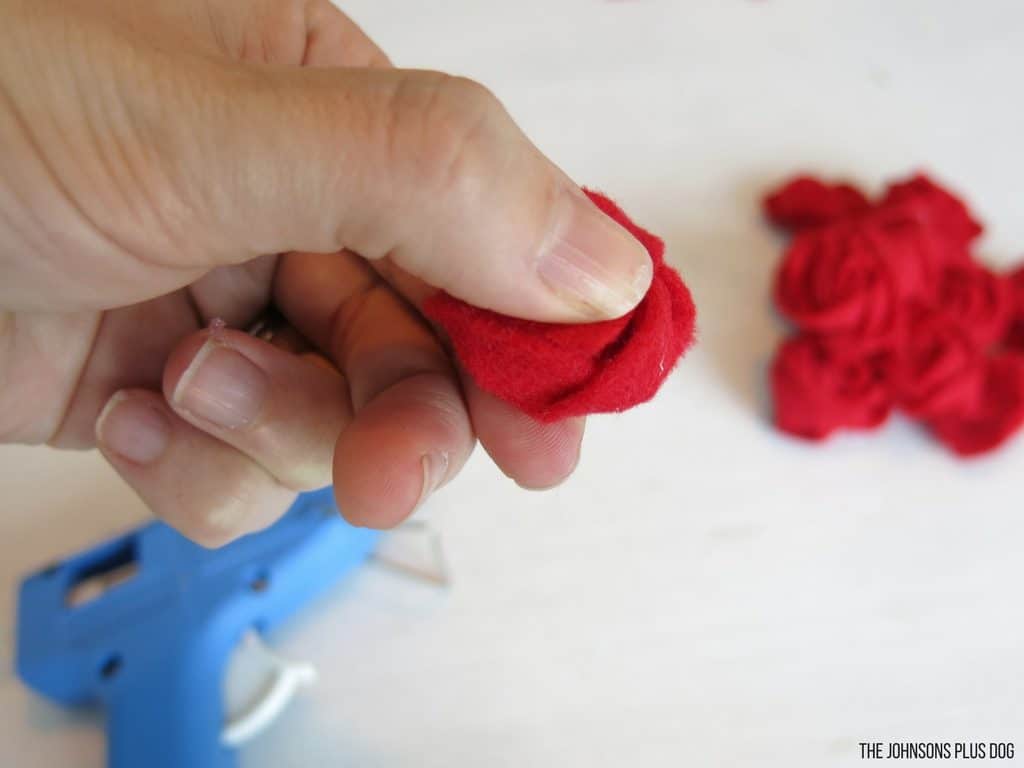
{"type": "Point", "coordinates": [806, 202]}
{"type": "Point", "coordinates": [819, 388]}
{"type": "Point", "coordinates": [553, 371]}
{"type": "Point", "coordinates": [995, 417]}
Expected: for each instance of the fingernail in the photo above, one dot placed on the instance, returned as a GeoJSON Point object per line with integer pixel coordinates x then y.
{"type": "Point", "coordinates": [592, 263]}
{"type": "Point", "coordinates": [435, 468]}
{"type": "Point", "coordinates": [133, 429]}
{"type": "Point", "coordinates": [221, 386]}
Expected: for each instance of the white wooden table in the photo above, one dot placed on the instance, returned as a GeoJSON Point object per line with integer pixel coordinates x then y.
{"type": "Point", "coordinates": [703, 592]}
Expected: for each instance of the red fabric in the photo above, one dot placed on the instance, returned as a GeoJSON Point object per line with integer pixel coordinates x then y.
{"type": "Point", "coordinates": [995, 417]}
{"type": "Point", "coordinates": [554, 371]}
{"type": "Point", "coordinates": [806, 202]}
{"type": "Point", "coordinates": [818, 390]}
{"type": "Point", "coordinates": [939, 370]}
{"type": "Point", "coordinates": [945, 213]}
{"type": "Point", "coordinates": [1015, 332]}
{"type": "Point", "coordinates": [892, 310]}
{"type": "Point", "coordinates": [838, 280]}
{"type": "Point", "coordinates": [978, 300]}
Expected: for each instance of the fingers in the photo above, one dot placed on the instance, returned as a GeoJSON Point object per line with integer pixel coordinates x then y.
{"type": "Point", "coordinates": [533, 454]}
{"type": "Point", "coordinates": [215, 160]}
{"type": "Point", "coordinates": [282, 411]}
{"type": "Point", "coordinates": [536, 455]}
{"type": "Point", "coordinates": [241, 426]}
{"type": "Point", "coordinates": [292, 32]}
{"type": "Point", "coordinates": [236, 294]}
{"type": "Point", "coordinates": [426, 169]}
{"type": "Point", "coordinates": [410, 433]}
{"type": "Point", "coordinates": [209, 491]}
{"type": "Point", "coordinates": [374, 350]}
{"type": "Point", "coordinates": [402, 446]}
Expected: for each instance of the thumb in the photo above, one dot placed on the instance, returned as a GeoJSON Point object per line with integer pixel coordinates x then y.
{"type": "Point", "coordinates": [425, 169]}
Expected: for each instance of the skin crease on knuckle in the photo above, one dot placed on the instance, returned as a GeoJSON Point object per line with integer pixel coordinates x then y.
{"type": "Point", "coordinates": [446, 130]}
{"type": "Point", "coordinates": [270, 32]}
{"type": "Point", "coordinates": [451, 136]}
{"type": "Point", "coordinates": [290, 32]}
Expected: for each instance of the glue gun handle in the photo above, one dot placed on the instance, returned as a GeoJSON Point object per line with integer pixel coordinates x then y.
{"type": "Point", "coordinates": [169, 717]}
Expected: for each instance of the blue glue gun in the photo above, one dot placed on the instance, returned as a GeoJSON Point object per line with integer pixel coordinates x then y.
{"type": "Point", "coordinates": [152, 646]}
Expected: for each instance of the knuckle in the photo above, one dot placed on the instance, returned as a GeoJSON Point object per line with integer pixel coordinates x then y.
{"type": "Point", "coordinates": [263, 31]}
{"type": "Point", "coordinates": [277, 32]}
{"type": "Point", "coordinates": [464, 96]}
{"type": "Point", "coordinates": [215, 525]}
{"type": "Point", "coordinates": [226, 508]}
{"type": "Point", "coordinates": [450, 130]}
{"type": "Point", "coordinates": [289, 15]}
{"type": "Point", "coordinates": [293, 32]}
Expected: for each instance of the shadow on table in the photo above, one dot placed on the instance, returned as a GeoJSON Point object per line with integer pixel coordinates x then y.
{"type": "Point", "coordinates": [729, 264]}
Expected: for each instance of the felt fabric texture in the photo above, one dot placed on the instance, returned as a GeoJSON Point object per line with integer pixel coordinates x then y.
{"type": "Point", "coordinates": [939, 370]}
{"type": "Point", "coordinates": [807, 202]}
{"type": "Point", "coordinates": [818, 389]}
{"type": "Point", "coordinates": [1015, 336]}
{"type": "Point", "coordinates": [893, 311]}
{"type": "Point", "coordinates": [995, 416]}
{"type": "Point", "coordinates": [554, 371]}
{"type": "Point", "coordinates": [837, 280]}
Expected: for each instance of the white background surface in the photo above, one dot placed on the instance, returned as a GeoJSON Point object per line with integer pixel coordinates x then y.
{"type": "Point", "coordinates": [704, 591]}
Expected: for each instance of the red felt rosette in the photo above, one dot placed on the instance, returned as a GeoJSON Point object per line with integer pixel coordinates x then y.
{"type": "Point", "coordinates": [554, 371]}
{"type": "Point", "coordinates": [978, 300]}
{"type": "Point", "coordinates": [997, 414]}
{"type": "Point", "coordinates": [850, 279]}
{"type": "Point", "coordinates": [939, 369]}
{"type": "Point", "coordinates": [1014, 338]}
{"type": "Point", "coordinates": [891, 308]}
{"type": "Point", "coordinates": [818, 389]}
{"type": "Point", "coordinates": [908, 237]}
{"type": "Point", "coordinates": [945, 214]}
{"type": "Point", "coordinates": [806, 202]}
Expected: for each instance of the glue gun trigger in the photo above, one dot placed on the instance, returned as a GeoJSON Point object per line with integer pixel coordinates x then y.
{"type": "Point", "coordinates": [258, 687]}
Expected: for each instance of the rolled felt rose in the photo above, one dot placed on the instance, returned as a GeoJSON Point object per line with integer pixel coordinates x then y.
{"type": "Point", "coordinates": [939, 369]}
{"type": "Point", "coordinates": [978, 300]}
{"type": "Point", "coordinates": [998, 412]}
{"type": "Point", "coordinates": [818, 389]}
{"type": "Point", "coordinates": [1014, 338]}
{"type": "Point", "coordinates": [807, 202]}
{"type": "Point", "coordinates": [894, 302]}
{"type": "Point", "coordinates": [922, 251]}
{"type": "Point", "coordinates": [945, 214]}
{"type": "Point", "coordinates": [845, 279]}
{"type": "Point", "coordinates": [554, 371]}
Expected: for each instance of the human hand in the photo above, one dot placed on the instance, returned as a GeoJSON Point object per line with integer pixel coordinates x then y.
{"type": "Point", "coordinates": [166, 163]}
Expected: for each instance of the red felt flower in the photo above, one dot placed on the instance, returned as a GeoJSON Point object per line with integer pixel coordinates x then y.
{"type": "Point", "coordinates": [848, 279]}
{"type": "Point", "coordinates": [976, 299]}
{"type": "Point", "coordinates": [817, 391]}
{"type": "Point", "coordinates": [946, 214]}
{"type": "Point", "coordinates": [553, 371]}
{"type": "Point", "coordinates": [923, 252]}
{"type": "Point", "coordinates": [806, 202]}
{"type": "Point", "coordinates": [997, 414]}
{"type": "Point", "coordinates": [1015, 330]}
{"type": "Point", "coordinates": [940, 369]}
{"type": "Point", "coordinates": [899, 309]}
